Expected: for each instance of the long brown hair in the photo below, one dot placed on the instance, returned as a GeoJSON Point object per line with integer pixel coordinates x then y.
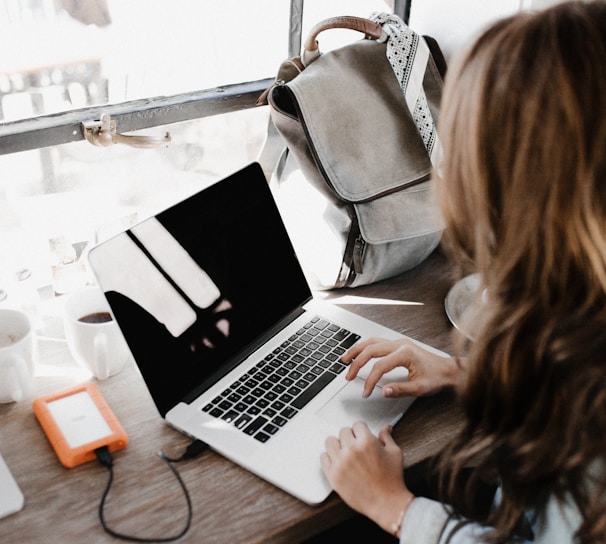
{"type": "Point", "coordinates": [522, 190]}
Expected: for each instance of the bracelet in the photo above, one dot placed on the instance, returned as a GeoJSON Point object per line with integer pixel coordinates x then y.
{"type": "Point", "coordinates": [396, 526]}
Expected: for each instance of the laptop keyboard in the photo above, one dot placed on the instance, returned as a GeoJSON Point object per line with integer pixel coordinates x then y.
{"type": "Point", "coordinates": [272, 392]}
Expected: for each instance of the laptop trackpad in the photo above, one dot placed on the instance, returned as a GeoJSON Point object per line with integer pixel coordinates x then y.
{"type": "Point", "coordinates": [348, 406]}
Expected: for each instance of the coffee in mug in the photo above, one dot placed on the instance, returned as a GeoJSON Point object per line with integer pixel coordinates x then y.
{"type": "Point", "coordinates": [96, 317]}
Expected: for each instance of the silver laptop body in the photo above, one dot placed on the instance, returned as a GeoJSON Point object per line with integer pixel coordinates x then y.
{"type": "Point", "coordinates": [212, 302]}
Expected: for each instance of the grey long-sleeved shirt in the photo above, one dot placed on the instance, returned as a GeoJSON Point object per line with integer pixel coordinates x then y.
{"type": "Point", "coordinates": [427, 522]}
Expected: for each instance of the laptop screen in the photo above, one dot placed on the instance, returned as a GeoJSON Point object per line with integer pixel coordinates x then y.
{"type": "Point", "coordinates": [193, 287]}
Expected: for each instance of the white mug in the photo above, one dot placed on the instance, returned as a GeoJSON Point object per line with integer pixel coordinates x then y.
{"type": "Point", "coordinates": [93, 336]}
{"type": "Point", "coordinates": [16, 355]}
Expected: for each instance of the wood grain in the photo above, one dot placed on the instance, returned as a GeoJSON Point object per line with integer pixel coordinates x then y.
{"type": "Point", "coordinates": [229, 504]}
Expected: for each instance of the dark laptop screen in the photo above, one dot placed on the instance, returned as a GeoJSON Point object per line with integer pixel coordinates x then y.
{"type": "Point", "coordinates": [194, 286]}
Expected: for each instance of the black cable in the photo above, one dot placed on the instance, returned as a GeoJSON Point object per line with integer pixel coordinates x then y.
{"type": "Point", "coordinates": [105, 458]}
{"type": "Point", "coordinates": [193, 450]}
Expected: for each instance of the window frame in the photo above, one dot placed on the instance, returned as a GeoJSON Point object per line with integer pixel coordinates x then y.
{"type": "Point", "coordinates": [66, 127]}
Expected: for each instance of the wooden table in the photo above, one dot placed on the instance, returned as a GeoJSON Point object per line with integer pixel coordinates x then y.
{"type": "Point", "coordinates": [229, 504]}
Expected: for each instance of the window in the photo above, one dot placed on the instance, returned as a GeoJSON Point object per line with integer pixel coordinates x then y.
{"type": "Point", "coordinates": [202, 56]}
{"type": "Point", "coordinates": [193, 68]}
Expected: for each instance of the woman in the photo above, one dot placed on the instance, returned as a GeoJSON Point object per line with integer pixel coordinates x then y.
{"type": "Point", "coordinates": [523, 193]}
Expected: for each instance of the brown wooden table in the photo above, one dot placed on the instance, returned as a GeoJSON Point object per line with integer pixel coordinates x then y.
{"type": "Point", "coordinates": [229, 504]}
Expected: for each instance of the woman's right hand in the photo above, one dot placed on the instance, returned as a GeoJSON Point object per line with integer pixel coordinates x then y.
{"type": "Point", "coordinates": [428, 372]}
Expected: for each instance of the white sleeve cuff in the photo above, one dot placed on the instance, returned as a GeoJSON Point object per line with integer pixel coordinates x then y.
{"type": "Point", "coordinates": [429, 522]}
{"type": "Point", "coordinates": [423, 522]}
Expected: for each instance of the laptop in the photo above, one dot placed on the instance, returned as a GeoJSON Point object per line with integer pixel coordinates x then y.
{"type": "Point", "coordinates": [230, 342]}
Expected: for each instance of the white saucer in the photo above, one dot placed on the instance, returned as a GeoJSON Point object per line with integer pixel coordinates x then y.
{"type": "Point", "coordinates": [459, 301]}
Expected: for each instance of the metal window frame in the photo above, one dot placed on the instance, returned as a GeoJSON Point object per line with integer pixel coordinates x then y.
{"type": "Point", "coordinates": [65, 127]}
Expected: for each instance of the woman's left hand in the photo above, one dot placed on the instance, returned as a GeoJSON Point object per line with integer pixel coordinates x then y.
{"type": "Point", "coordinates": [368, 473]}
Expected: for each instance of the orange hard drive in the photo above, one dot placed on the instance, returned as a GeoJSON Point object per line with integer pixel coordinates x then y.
{"type": "Point", "coordinates": [78, 421]}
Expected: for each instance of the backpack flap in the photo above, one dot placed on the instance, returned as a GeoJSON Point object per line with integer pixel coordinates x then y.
{"type": "Point", "coordinates": [357, 123]}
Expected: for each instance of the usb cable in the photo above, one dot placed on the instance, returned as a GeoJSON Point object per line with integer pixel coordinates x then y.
{"type": "Point", "coordinates": [104, 457]}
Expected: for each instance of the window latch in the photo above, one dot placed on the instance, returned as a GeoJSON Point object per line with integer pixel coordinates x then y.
{"type": "Point", "coordinates": [103, 133]}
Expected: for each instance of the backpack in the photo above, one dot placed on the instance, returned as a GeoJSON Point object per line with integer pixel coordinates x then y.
{"type": "Point", "coordinates": [363, 210]}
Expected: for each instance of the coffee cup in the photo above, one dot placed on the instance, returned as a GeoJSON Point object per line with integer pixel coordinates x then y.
{"type": "Point", "coordinates": [16, 355]}
{"type": "Point", "coordinates": [93, 336]}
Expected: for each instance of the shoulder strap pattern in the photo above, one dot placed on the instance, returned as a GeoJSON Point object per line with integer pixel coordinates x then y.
{"type": "Point", "coordinates": [408, 55]}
